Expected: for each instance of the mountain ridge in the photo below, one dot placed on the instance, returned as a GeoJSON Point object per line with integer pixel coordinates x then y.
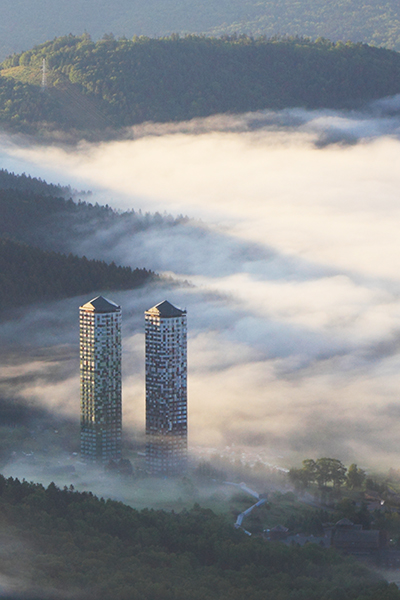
{"type": "Point", "coordinates": [367, 21]}
{"type": "Point", "coordinates": [114, 84]}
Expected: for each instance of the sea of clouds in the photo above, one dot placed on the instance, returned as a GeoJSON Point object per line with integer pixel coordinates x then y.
{"type": "Point", "coordinates": [293, 250]}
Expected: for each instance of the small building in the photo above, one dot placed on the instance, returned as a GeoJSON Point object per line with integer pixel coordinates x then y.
{"type": "Point", "coordinates": [277, 533]}
{"type": "Point", "coordinates": [352, 539]}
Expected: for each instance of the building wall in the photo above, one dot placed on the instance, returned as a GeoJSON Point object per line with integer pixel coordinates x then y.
{"type": "Point", "coordinates": [166, 393]}
{"type": "Point", "coordinates": [100, 368]}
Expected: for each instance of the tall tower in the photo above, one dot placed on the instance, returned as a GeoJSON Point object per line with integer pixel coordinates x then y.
{"type": "Point", "coordinates": [100, 367]}
{"type": "Point", "coordinates": [166, 389]}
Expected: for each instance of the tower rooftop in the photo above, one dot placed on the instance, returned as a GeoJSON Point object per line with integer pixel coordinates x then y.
{"type": "Point", "coordinates": [101, 305]}
{"type": "Point", "coordinates": [166, 309]}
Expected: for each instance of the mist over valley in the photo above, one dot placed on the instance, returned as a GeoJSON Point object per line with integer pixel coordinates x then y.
{"type": "Point", "coordinates": [253, 184]}
{"type": "Point", "coordinates": [291, 250]}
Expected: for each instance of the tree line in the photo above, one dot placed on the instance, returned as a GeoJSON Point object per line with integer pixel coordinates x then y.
{"type": "Point", "coordinates": [367, 21]}
{"type": "Point", "coordinates": [324, 471]}
{"type": "Point", "coordinates": [29, 274]}
{"type": "Point", "coordinates": [36, 185]}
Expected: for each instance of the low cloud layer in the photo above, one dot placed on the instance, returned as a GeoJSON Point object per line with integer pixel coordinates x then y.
{"type": "Point", "coordinates": [294, 318]}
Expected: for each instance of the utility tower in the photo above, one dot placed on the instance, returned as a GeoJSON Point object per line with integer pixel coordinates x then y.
{"type": "Point", "coordinates": [44, 75]}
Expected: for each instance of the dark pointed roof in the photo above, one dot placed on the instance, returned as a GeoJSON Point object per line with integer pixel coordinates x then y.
{"type": "Point", "coordinates": [344, 523]}
{"type": "Point", "coordinates": [280, 529]}
{"type": "Point", "coordinates": [101, 305]}
{"type": "Point", "coordinates": [166, 309]}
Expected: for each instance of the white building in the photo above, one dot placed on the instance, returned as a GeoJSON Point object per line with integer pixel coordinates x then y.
{"type": "Point", "coordinates": [166, 389]}
{"type": "Point", "coordinates": [100, 369]}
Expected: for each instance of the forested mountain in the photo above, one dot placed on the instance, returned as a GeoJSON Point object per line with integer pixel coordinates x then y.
{"type": "Point", "coordinates": [368, 21]}
{"type": "Point", "coordinates": [119, 83]}
{"type": "Point", "coordinates": [61, 543]}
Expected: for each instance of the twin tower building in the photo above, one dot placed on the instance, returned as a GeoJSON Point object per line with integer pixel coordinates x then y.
{"type": "Point", "coordinates": [166, 385]}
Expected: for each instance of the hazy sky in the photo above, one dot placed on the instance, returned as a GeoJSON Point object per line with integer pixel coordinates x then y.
{"type": "Point", "coordinates": [294, 319]}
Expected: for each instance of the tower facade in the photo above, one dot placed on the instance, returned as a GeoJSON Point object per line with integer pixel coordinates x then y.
{"type": "Point", "coordinates": [100, 370]}
{"type": "Point", "coordinates": [166, 389]}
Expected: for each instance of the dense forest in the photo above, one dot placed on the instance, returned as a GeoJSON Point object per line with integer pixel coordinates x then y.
{"type": "Point", "coordinates": [116, 83]}
{"type": "Point", "coordinates": [367, 21]}
{"type": "Point", "coordinates": [34, 185]}
{"type": "Point", "coordinates": [61, 542]}
{"type": "Point", "coordinates": [28, 275]}
{"type": "Point", "coordinates": [36, 225]}
{"type": "Point", "coordinates": [44, 215]}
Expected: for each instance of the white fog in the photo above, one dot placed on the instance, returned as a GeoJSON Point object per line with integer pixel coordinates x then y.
{"type": "Point", "coordinates": [294, 257]}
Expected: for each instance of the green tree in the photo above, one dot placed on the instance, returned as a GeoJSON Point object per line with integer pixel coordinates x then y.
{"type": "Point", "coordinates": [300, 478]}
{"type": "Point", "coordinates": [330, 470]}
{"type": "Point", "coordinates": [355, 477]}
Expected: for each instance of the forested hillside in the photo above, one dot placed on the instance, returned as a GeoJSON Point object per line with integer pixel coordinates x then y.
{"type": "Point", "coordinates": [35, 226]}
{"type": "Point", "coordinates": [72, 544]}
{"type": "Point", "coordinates": [40, 214]}
{"type": "Point", "coordinates": [28, 275]}
{"type": "Point", "coordinates": [359, 21]}
{"type": "Point", "coordinates": [26, 183]}
{"type": "Point", "coordinates": [120, 83]}
{"type": "Point", "coordinates": [376, 23]}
